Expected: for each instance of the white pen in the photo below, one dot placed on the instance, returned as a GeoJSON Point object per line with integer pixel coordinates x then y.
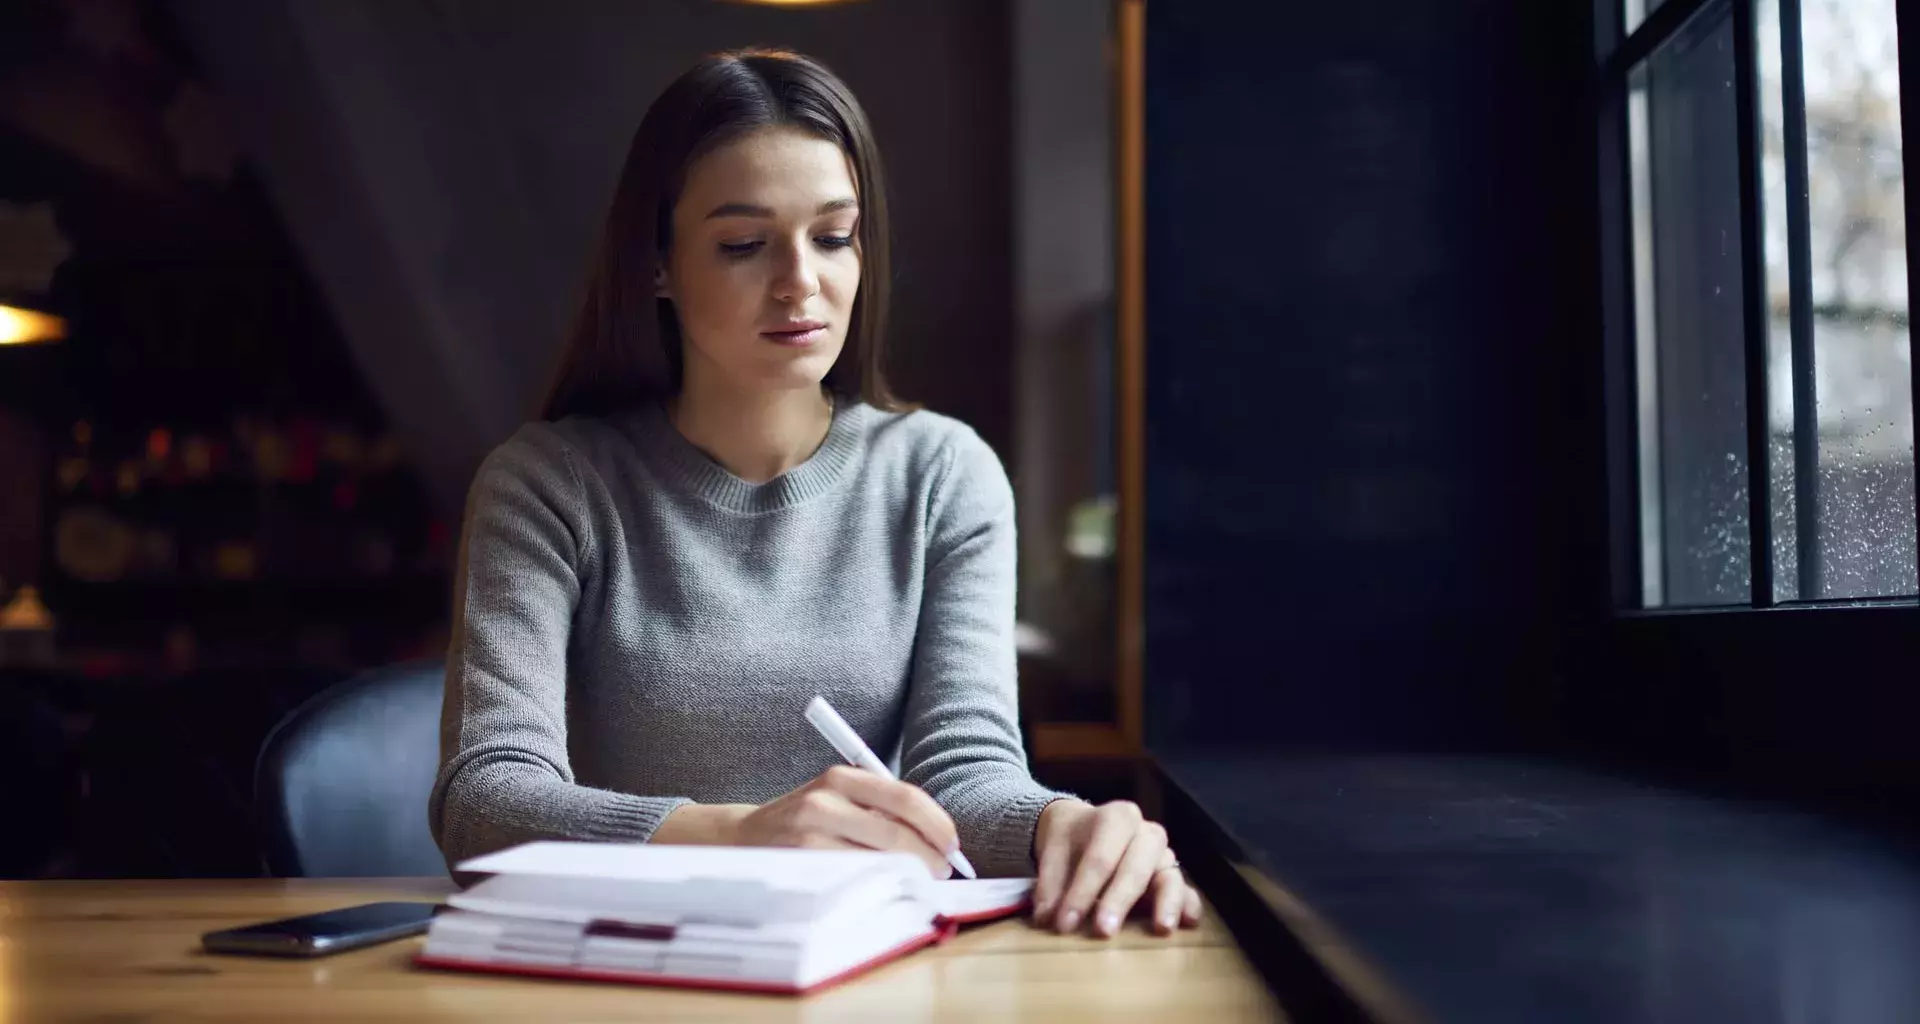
{"type": "Point", "coordinates": [843, 739]}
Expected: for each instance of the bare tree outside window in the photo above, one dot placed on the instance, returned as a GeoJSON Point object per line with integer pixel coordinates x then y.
{"type": "Point", "coordinates": [1862, 346]}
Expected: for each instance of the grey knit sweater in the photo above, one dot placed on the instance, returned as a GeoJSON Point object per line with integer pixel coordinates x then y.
{"type": "Point", "coordinates": [635, 627]}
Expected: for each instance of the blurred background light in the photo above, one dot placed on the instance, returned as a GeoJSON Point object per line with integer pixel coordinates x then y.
{"type": "Point", "coordinates": [25, 327]}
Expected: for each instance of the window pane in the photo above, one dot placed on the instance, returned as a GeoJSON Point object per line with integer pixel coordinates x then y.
{"type": "Point", "coordinates": [1637, 11]}
{"type": "Point", "coordinates": [1685, 167]}
{"type": "Point", "coordinates": [1862, 382]}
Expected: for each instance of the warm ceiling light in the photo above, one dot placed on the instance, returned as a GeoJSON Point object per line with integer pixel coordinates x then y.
{"type": "Point", "coordinates": [24, 326]}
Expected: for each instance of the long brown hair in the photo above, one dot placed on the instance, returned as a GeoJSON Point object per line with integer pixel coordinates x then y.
{"type": "Point", "coordinates": [625, 345]}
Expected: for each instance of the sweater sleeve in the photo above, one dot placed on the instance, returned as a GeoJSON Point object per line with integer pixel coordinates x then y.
{"type": "Point", "coordinates": [525, 548]}
{"type": "Point", "coordinates": [961, 739]}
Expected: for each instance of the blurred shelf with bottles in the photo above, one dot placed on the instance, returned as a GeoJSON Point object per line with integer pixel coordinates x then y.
{"type": "Point", "coordinates": [196, 473]}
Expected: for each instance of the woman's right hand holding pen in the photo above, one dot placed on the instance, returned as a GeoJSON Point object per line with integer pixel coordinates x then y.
{"type": "Point", "coordinates": [843, 808]}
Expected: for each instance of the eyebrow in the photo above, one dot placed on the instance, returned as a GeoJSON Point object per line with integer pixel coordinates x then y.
{"type": "Point", "coordinates": [750, 210]}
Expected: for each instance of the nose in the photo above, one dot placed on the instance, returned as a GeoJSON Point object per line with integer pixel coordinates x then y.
{"type": "Point", "coordinates": [796, 276]}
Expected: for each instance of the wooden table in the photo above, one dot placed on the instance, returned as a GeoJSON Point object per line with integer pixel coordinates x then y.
{"type": "Point", "coordinates": [130, 950]}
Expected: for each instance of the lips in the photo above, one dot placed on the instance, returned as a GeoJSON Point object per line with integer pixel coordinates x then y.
{"type": "Point", "coordinates": [797, 332]}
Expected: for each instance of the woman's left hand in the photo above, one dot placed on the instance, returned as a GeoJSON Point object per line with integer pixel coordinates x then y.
{"type": "Point", "coordinates": [1096, 863]}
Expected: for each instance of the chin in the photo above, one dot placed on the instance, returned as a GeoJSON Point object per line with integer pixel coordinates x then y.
{"type": "Point", "coordinates": [804, 372]}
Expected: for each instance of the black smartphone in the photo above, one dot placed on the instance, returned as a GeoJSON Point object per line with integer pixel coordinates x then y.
{"type": "Point", "coordinates": [334, 931]}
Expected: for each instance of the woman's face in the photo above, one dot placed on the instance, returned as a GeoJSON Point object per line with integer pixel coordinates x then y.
{"type": "Point", "coordinates": [765, 260]}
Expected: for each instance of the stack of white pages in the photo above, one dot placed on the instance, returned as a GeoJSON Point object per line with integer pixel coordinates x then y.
{"type": "Point", "coordinates": [765, 920]}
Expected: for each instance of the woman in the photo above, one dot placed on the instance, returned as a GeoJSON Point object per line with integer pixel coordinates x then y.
{"type": "Point", "coordinates": [724, 512]}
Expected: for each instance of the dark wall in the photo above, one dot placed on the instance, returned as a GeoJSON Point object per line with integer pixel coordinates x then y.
{"type": "Point", "coordinates": [1374, 444]}
{"type": "Point", "coordinates": [445, 168]}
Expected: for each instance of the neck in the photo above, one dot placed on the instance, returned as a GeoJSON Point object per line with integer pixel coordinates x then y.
{"type": "Point", "coordinates": [757, 436]}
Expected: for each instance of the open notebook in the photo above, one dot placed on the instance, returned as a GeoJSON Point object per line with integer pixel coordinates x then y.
{"type": "Point", "coordinates": [765, 920]}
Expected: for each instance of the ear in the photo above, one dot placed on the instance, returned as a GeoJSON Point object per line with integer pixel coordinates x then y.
{"type": "Point", "coordinates": [660, 288]}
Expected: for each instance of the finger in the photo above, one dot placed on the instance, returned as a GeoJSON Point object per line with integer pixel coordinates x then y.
{"type": "Point", "coordinates": [903, 800]}
{"type": "Point", "coordinates": [811, 823]}
{"type": "Point", "coordinates": [1050, 881]}
{"type": "Point", "coordinates": [822, 841]}
{"type": "Point", "coordinates": [1169, 899]}
{"type": "Point", "coordinates": [1113, 828]}
{"type": "Point", "coordinates": [1190, 914]}
{"type": "Point", "coordinates": [876, 831]}
{"type": "Point", "coordinates": [825, 812]}
{"type": "Point", "coordinates": [816, 812]}
{"type": "Point", "coordinates": [1130, 880]}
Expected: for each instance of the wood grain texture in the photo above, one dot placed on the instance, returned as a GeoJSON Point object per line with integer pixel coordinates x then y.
{"type": "Point", "coordinates": [130, 950]}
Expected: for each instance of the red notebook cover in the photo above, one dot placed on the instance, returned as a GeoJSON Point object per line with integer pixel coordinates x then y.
{"type": "Point", "coordinates": [943, 929]}
{"type": "Point", "coordinates": [991, 913]}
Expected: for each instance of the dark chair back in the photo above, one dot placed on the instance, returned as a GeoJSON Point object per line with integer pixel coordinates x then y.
{"type": "Point", "coordinates": [342, 782]}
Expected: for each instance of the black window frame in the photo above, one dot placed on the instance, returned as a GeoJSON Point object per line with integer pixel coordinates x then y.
{"type": "Point", "coordinates": [1618, 53]}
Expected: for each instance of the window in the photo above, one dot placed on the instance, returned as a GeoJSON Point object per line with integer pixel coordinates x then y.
{"type": "Point", "coordinates": [1758, 301]}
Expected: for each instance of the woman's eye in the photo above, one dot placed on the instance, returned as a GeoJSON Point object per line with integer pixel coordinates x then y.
{"type": "Point", "coordinates": [741, 250]}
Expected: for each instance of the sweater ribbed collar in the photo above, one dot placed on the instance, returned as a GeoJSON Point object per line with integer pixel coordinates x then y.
{"type": "Point", "coordinates": [694, 471]}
